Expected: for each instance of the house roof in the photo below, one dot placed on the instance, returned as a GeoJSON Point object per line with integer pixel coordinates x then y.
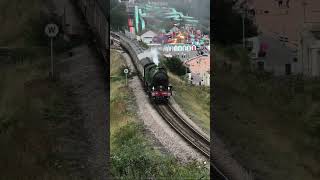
{"type": "Point", "coordinates": [199, 64]}
{"type": "Point", "coordinates": [149, 34]}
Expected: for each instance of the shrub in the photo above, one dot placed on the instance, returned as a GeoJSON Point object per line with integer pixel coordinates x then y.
{"type": "Point", "coordinates": [175, 65]}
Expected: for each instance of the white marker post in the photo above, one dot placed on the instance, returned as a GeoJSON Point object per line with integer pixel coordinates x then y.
{"type": "Point", "coordinates": [126, 71]}
{"type": "Point", "coordinates": [52, 31]}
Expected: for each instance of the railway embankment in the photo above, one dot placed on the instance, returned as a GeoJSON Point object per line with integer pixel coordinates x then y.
{"type": "Point", "coordinates": [49, 129]}
{"type": "Point", "coordinates": [193, 102]}
{"type": "Point", "coordinates": [267, 123]}
{"type": "Point", "coordinates": [139, 133]}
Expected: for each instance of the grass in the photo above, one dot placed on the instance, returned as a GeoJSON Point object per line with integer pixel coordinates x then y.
{"type": "Point", "coordinates": [270, 124]}
{"type": "Point", "coordinates": [132, 155]}
{"type": "Point", "coordinates": [134, 158]}
{"type": "Point", "coordinates": [15, 19]}
{"type": "Point", "coordinates": [35, 112]}
{"type": "Point", "coordinates": [119, 95]}
{"type": "Point", "coordinates": [194, 100]}
{"type": "Point", "coordinates": [37, 115]}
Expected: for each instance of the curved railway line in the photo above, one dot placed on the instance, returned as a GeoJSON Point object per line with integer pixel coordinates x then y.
{"type": "Point", "coordinates": [189, 133]}
{"type": "Point", "coordinates": [96, 15]}
{"type": "Point", "coordinates": [184, 129]}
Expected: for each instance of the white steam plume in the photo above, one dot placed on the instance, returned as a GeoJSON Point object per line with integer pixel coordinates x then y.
{"type": "Point", "coordinates": [155, 53]}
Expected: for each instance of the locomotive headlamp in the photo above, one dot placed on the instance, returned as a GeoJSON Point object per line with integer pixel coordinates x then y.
{"type": "Point", "coordinates": [152, 88]}
{"type": "Point", "coordinates": [169, 88]}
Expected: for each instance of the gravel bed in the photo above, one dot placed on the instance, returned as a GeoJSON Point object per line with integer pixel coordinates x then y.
{"type": "Point", "coordinates": [85, 74]}
{"type": "Point", "coordinates": [160, 129]}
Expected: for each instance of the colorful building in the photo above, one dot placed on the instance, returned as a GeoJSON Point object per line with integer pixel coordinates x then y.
{"type": "Point", "coordinates": [199, 70]}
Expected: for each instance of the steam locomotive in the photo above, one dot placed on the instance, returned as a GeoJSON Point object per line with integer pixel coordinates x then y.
{"type": "Point", "coordinates": [156, 80]}
{"type": "Point", "coordinates": [154, 77]}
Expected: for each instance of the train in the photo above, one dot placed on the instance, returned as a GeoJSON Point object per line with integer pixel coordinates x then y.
{"type": "Point", "coordinates": [155, 78]}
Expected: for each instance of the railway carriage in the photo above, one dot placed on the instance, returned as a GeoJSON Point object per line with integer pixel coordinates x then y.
{"type": "Point", "coordinates": [155, 78]}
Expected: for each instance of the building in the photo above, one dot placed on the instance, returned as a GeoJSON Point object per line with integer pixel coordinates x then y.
{"type": "Point", "coordinates": [126, 1]}
{"type": "Point", "coordinates": [281, 29]}
{"type": "Point", "coordinates": [309, 51]}
{"type": "Point", "coordinates": [148, 36]}
{"type": "Point", "coordinates": [199, 70]}
{"type": "Point", "coordinates": [253, 45]}
{"type": "Point", "coordinates": [272, 55]}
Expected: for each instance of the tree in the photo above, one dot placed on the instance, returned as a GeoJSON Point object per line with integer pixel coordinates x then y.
{"type": "Point", "coordinates": [176, 66]}
{"type": "Point", "coordinates": [118, 15]}
{"type": "Point", "coordinates": [227, 23]}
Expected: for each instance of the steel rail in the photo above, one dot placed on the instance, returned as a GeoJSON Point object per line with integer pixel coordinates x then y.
{"type": "Point", "coordinates": [189, 133]}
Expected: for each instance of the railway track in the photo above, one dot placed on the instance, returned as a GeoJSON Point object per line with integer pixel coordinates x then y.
{"type": "Point", "coordinates": [189, 133]}
{"type": "Point", "coordinates": [184, 129]}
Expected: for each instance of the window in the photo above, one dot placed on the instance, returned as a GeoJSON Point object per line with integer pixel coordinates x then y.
{"type": "Point", "coordinates": [295, 59]}
{"type": "Point", "coordinates": [261, 66]}
{"type": "Point", "coordinates": [288, 69]}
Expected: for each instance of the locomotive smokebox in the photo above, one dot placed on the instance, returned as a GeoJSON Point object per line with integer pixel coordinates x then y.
{"type": "Point", "coordinates": [160, 78]}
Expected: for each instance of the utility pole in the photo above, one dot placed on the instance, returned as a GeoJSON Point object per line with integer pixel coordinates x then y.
{"type": "Point", "coordinates": [64, 16]}
{"type": "Point", "coordinates": [304, 4]}
{"type": "Point", "coordinates": [243, 31]}
{"type": "Point", "coordinates": [243, 15]}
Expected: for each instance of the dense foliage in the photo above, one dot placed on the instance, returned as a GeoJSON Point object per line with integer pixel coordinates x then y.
{"type": "Point", "coordinates": [118, 15]}
{"type": "Point", "coordinates": [175, 65]}
{"type": "Point", "coordinates": [227, 24]}
{"type": "Point", "coordinates": [289, 105]}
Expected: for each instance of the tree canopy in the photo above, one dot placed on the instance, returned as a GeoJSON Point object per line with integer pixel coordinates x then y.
{"type": "Point", "coordinates": [227, 23]}
{"type": "Point", "coordinates": [118, 15]}
{"type": "Point", "coordinates": [175, 65]}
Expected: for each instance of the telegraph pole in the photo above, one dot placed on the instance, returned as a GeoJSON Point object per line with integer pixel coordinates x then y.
{"type": "Point", "coordinates": [304, 4]}
{"type": "Point", "coordinates": [243, 15]}
{"type": "Point", "coordinates": [243, 31]}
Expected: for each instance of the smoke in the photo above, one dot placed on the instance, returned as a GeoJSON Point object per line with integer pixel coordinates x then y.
{"type": "Point", "coordinates": [155, 55]}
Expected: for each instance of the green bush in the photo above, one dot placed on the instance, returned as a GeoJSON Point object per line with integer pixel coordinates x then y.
{"type": "Point", "coordinates": [118, 15]}
{"type": "Point", "coordinates": [141, 43]}
{"type": "Point", "coordinates": [133, 158]}
{"type": "Point", "coordinates": [175, 65]}
{"type": "Point", "coordinates": [228, 24]}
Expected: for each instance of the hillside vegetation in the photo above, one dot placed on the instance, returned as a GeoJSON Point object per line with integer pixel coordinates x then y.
{"type": "Point", "coordinates": [19, 20]}
{"type": "Point", "coordinates": [37, 116]}
{"type": "Point", "coordinates": [132, 154]}
{"type": "Point", "coordinates": [194, 100]}
{"type": "Point", "coordinates": [271, 124]}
